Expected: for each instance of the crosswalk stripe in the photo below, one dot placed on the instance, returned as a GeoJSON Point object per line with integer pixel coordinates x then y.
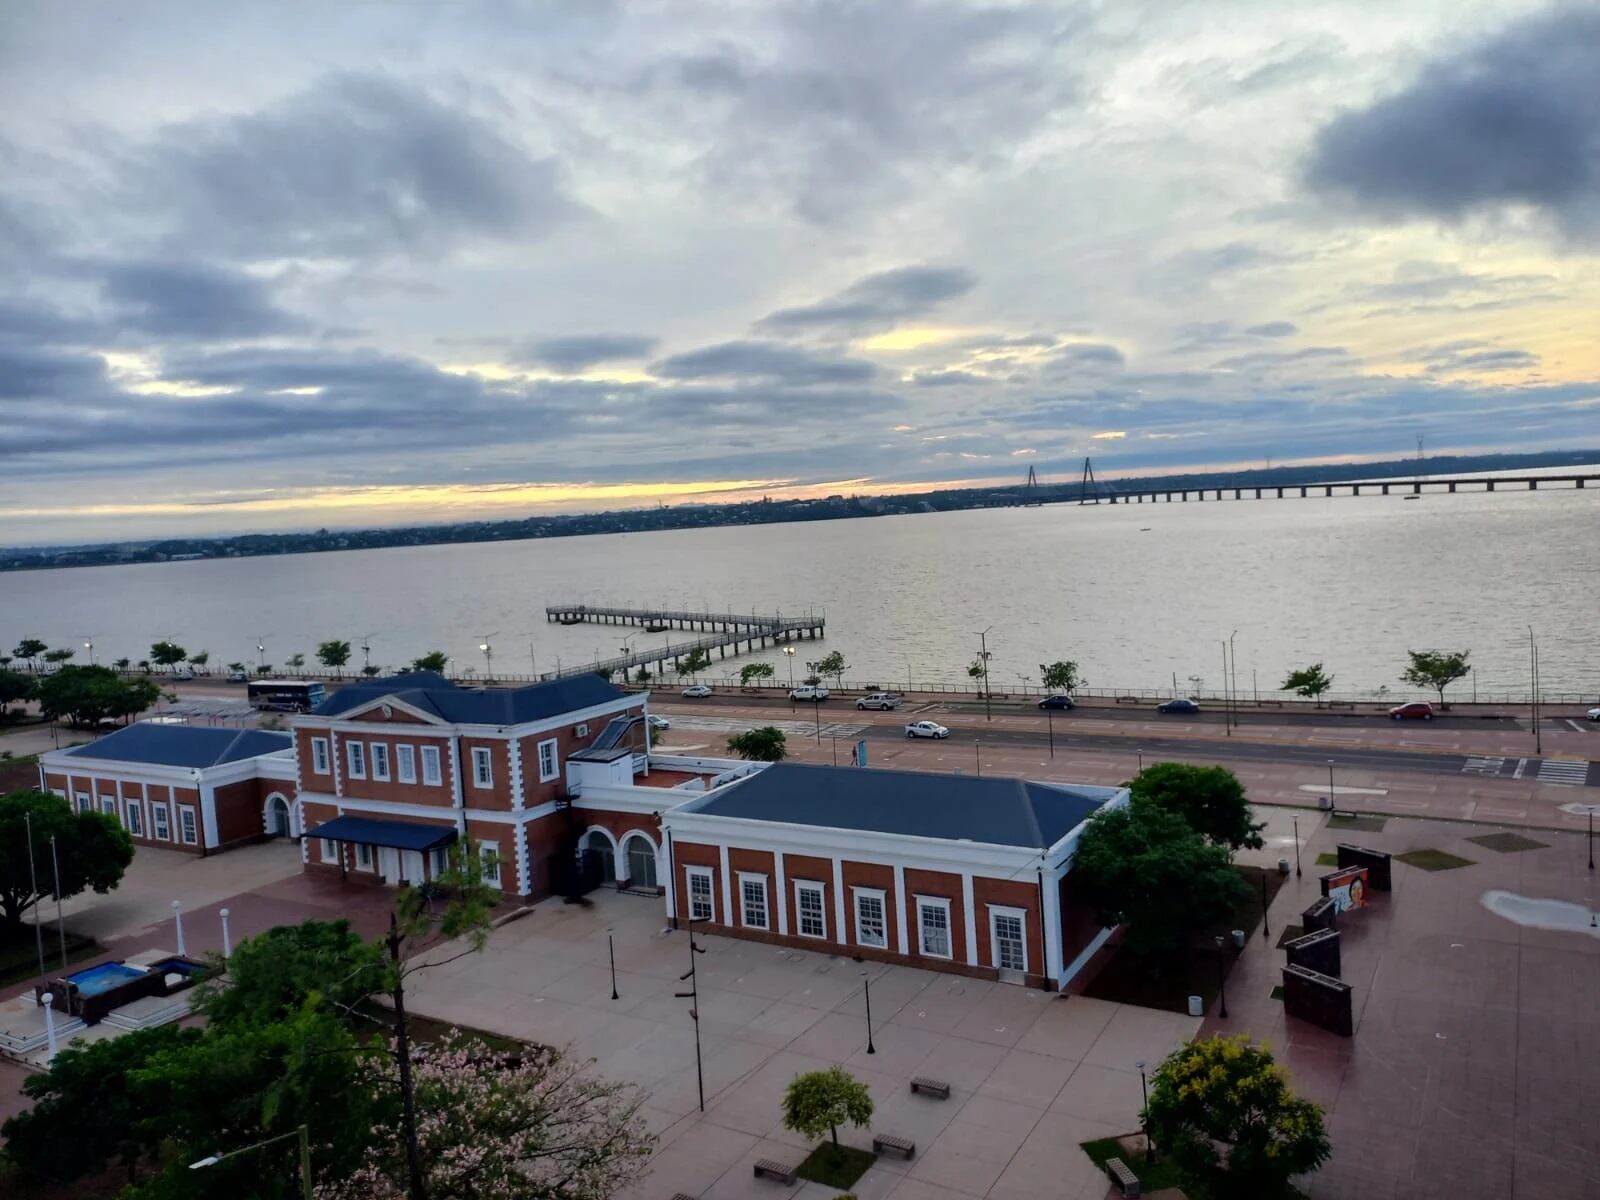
{"type": "Point", "coordinates": [1568, 771]}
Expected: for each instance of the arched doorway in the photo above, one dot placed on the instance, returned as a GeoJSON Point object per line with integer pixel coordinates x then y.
{"type": "Point", "coordinates": [641, 856]}
{"type": "Point", "coordinates": [599, 857]}
{"type": "Point", "coordinates": [277, 817]}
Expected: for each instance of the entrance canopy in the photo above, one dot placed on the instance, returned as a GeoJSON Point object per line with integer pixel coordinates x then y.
{"type": "Point", "coordinates": [401, 835]}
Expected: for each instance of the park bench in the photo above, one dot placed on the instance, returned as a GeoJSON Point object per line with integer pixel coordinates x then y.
{"type": "Point", "coordinates": [889, 1141]}
{"type": "Point", "coordinates": [774, 1170]}
{"type": "Point", "coordinates": [934, 1087]}
{"type": "Point", "coordinates": [1127, 1182]}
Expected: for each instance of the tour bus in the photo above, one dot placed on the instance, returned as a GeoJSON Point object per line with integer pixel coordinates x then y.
{"type": "Point", "coordinates": [286, 695]}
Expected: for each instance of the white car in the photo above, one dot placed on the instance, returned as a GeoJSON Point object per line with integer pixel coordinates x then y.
{"type": "Point", "coordinates": [927, 729]}
{"type": "Point", "coordinates": [1593, 714]}
{"type": "Point", "coordinates": [807, 692]}
{"type": "Point", "coordinates": [181, 673]}
{"type": "Point", "coordinates": [696, 691]}
{"type": "Point", "coordinates": [659, 723]}
{"type": "Point", "coordinates": [882, 701]}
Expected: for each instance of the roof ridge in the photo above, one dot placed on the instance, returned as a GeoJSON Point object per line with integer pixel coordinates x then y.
{"type": "Point", "coordinates": [1030, 811]}
{"type": "Point", "coordinates": [228, 749]}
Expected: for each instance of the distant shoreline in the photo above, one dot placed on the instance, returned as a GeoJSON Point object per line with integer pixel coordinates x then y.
{"type": "Point", "coordinates": [758, 512]}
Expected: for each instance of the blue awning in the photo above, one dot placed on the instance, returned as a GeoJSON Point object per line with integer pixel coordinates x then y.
{"type": "Point", "coordinates": [402, 835]}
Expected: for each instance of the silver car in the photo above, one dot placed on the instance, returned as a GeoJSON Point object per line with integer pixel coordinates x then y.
{"type": "Point", "coordinates": [882, 701]}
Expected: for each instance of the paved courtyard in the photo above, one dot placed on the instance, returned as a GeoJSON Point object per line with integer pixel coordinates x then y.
{"type": "Point", "coordinates": [1031, 1074]}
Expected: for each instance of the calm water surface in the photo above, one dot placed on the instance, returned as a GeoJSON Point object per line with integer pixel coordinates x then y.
{"type": "Point", "coordinates": [1136, 594]}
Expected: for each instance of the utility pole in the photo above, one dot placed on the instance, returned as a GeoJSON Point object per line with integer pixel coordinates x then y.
{"type": "Point", "coordinates": [1533, 666]}
{"type": "Point", "coordinates": [983, 657]}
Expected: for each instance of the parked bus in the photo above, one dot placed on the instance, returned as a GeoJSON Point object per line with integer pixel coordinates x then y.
{"type": "Point", "coordinates": [286, 695]}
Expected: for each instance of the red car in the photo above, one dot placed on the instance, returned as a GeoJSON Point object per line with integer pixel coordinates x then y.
{"type": "Point", "coordinates": [1417, 710]}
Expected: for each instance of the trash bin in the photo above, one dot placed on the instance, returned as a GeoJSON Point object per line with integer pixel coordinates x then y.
{"type": "Point", "coordinates": [1283, 866]}
{"type": "Point", "coordinates": [1197, 1006]}
{"type": "Point", "coordinates": [1238, 939]}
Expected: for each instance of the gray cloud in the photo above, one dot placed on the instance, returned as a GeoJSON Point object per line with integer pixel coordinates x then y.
{"type": "Point", "coordinates": [947, 378]}
{"type": "Point", "coordinates": [1507, 122]}
{"type": "Point", "coordinates": [191, 300]}
{"type": "Point", "coordinates": [876, 302]}
{"type": "Point", "coordinates": [1276, 358]}
{"type": "Point", "coordinates": [354, 165]}
{"type": "Point", "coordinates": [1274, 329]}
{"type": "Point", "coordinates": [762, 362]}
{"type": "Point", "coordinates": [579, 352]}
{"type": "Point", "coordinates": [1097, 354]}
{"type": "Point", "coordinates": [1473, 355]}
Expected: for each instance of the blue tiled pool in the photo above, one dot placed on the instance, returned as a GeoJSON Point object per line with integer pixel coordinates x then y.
{"type": "Point", "coordinates": [91, 981]}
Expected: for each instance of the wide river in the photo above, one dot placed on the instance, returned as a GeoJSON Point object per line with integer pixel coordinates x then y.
{"type": "Point", "coordinates": [1141, 596]}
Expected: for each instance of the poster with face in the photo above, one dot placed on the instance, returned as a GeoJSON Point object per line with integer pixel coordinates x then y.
{"type": "Point", "coordinates": [1347, 888]}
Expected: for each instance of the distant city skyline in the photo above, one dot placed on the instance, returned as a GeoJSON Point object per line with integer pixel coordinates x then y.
{"type": "Point", "coordinates": [274, 267]}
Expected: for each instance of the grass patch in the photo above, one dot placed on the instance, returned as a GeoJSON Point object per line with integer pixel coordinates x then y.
{"type": "Point", "coordinates": [1124, 980]}
{"type": "Point", "coordinates": [1153, 1176]}
{"type": "Point", "coordinates": [1327, 860]}
{"type": "Point", "coordinates": [1506, 843]}
{"type": "Point", "coordinates": [1360, 822]}
{"type": "Point", "coordinates": [19, 953]}
{"type": "Point", "coordinates": [1276, 993]}
{"type": "Point", "coordinates": [1288, 934]}
{"type": "Point", "coordinates": [836, 1166]}
{"type": "Point", "coordinates": [1433, 860]}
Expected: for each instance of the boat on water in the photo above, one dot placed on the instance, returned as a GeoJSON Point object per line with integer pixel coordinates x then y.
{"type": "Point", "coordinates": [656, 628]}
{"type": "Point", "coordinates": [571, 620]}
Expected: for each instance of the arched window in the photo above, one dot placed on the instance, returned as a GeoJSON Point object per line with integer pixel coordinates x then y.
{"type": "Point", "coordinates": [599, 856]}
{"type": "Point", "coordinates": [641, 861]}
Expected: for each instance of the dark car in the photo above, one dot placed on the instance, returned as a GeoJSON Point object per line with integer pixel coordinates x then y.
{"type": "Point", "coordinates": [1179, 705]}
{"type": "Point", "coordinates": [1417, 710]}
{"type": "Point", "coordinates": [1062, 702]}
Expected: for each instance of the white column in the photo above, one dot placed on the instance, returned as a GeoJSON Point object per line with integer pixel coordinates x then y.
{"type": "Point", "coordinates": [781, 884]}
{"type": "Point", "coordinates": [727, 891]}
{"type": "Point", "coordinates": [227, 942]}
{"type": "Point", "coordinates": [1052, 927]}
{"type": "Point", "coordinates": [49, 1028]}
{"type": "Point", "coordinates": [177, 920]}
{"type": "Point", "coordinates": [841, 931]}
{"type": "Point", "coordinates": [972, 919]}
{"type": "Point", "coordinates": [666, 875]}
{"type": "Point", "coordinates": [619, 861]}
{"type": "Point", "coordinates": [900, 909]}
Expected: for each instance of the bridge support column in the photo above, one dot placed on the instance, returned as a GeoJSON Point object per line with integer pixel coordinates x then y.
{"type": "Point", "coordinates": [1328, 491]}
{"type": "Point", "coordinates": [1385, 489]}
{"type": "Point", "coordinates": [1258, 493]}
{"type": "Point", "coordinates": [1236, 494]}
{"type": "Point", "coordinates": [1416, 489]}
{"type": "Point", "coordinates": [1303, 493]}
{"type": "Point", "coordinates": [1452, 488]}
{"type": "Point", "coordinates": [1280, 493]}
{"type": "Point", "coordinates": [1533, 485]}
{"type": "Point", "coordinates": [1490, 482]}
{"type": "Point", "coordinates": [1579, 481]}
{"type": "Point", "coordinates": [1355, 489]}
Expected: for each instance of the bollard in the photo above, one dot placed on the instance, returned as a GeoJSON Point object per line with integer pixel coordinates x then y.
{"type": "Point", "coordinates": [49, 1028]}
{"type": "Point", "coordinates": [177, 920]}
{"type": "Point", "coordinates": [227, 943]}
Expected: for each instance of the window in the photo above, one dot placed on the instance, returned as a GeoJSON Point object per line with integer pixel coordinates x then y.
{"type": "Point", "coordinates": [108, 805]}
{"type": "Point", "coordinates": [405, 763]}
{"type": "Point", "coordinates": [84, 802]}
{"type": "Point", "coordinates": [186, 827]}
{"type": "Point", "coordinates": [319, 755]}
{"type": "Point", "coordinates": [430, 766]}
{"type": "Point", "coordinates": [870, 928]}
{"type": "Point", "coordinates": [159, 823]}
{"type": "Point", "coordinates": [808, 906]}
{"type": "Point", "coordinates": [380, 760]}
{"type": "Point", "coordinates": [701, 907]}
{"type": "Point", "coordinates": [482, 768]}
{"type": "Point", "coordinates": [489, 856]}
{"type": "Point", "coordinates": [441, 860]}
{"type": "Point", "coordinates": [330, 850]}
{"type": "Point", "coordinates": [364, 857]}
{"type": "Point", "coordinates": [933, 921]}
{"type": "Point", "coordinates": [356, 754]}
{"type": "Point", "coordinates": [549, 768]}
{"type": "Point", "coordinates": [1010, 947]}
{"type": "Point", "coordinates": [135, 825]}
{"type": "Point", "coordinates": [753, 896]}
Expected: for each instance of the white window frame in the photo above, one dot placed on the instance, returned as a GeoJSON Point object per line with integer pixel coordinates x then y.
{"type": "Point", "coordinates": [940, 904]}
{"type": "Point", "coordinates": [85, 802]}
{"type": "Point", "coordinates": [705, 873]}
{"type": "Point", "coordinates": [482, 767]}
{"type": "Point", "coordinates": [134, 816]}
{"type": "Point", "coordinates": [319, 756]}
{"type": "Point", "coordinates": [553, 769]}
{"type": "Point", "coordinates": [366, 860]}
{"type": "Point", "coordinates": [753, 879]}
{"type": "Point", "coordinates": [378, 753]}
{"type": "Point", "coordinates": [108, 805]}
{"type": "Point", "coordinates": [996, 911]}
{"type": "Point", "coordinates": [882, 897]}
{"type": "Point", "coordinates": [432, 775]}
{"type": "Point", "coordinates": [489, 856]}
{"type": "Point", "coordinates": [405, 763]}
{"type": "Point", "coordinates": [355, 756]}
{"type": "Point", "coordinates": [330, 850]}
{"type": "Point", "coordinates": [441, 860]}
{"type": "Point", "coordinates": [188, 825]}
{"type": "Point", "coordinates": [160, 821]}
{"type": "Point", "coordinates": [810, 887]}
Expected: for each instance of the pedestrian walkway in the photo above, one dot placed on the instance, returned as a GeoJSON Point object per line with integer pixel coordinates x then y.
{"type": "Point", "coordinates": [1566, 772]}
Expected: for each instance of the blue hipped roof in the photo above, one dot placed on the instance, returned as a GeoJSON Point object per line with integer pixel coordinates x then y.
{"type": "Point", "coordinates": [182, 745]}
{"type": "Point", "coordinates": [430, 692]}
{"type": "Point", "coordinates": [367, 831]}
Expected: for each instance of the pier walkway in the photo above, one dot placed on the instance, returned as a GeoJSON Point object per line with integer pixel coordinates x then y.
{"type": "Point", "coordinates": [736, 632]}
{"type": "Point", "coordinates": [1113, 494]}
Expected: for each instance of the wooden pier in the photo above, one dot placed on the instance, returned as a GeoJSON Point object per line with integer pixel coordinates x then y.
{"type": "Point", "coordinates": [725, 632]}
{"type": "Point", "coordinates": [1380, 487]}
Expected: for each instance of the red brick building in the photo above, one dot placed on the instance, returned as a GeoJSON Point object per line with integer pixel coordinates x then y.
{"type": "Point", "coordinates": [182, 787]}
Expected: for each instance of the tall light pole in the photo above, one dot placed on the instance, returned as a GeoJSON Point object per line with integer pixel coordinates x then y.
{"type": "Point", "coordinates": [89, 646]}
{"type": "Point", "coordinates": [61, 928]}
{"type": "Point", "coordinates": [866, 986]}
{"type": "Point", "coordinates": [33, 880]}
{"type": "Point", "coordinates": [983, 657]}
{"type": "Point", "coordinates": [1233, 676]}
{"type": "Point", "coordinates": [261, 653]}
{"type": "Point", "coordinates": [300, 1132]}
{"type": "Point", "coordinates": [693, 996]}
{"type": "Point", "coordinates": [1333, 804]}
{"type": "Point", "coordinates": [1298, 873]}
{"type": "Point", "coordinates": [1533, 668]}
{"type": "Point", "coordinates": [1144, 1121]}
{"type": "Point", "coordinates": [1227, 718]}
{"type": "Point", "coordinates": [1222, 980]}
{"type": "Point", "coordinates": [488, 657]}
{"type": "Point", "coordinates": [789, 652]}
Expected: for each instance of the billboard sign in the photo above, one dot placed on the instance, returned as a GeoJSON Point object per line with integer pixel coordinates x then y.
{"type": "Point", "coordinates": [1347, 888]}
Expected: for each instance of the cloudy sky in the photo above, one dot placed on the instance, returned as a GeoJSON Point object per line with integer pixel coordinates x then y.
{"type": "Point", "coordinates": [269, 266]}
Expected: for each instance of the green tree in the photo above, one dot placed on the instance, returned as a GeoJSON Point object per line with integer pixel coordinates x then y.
{"type": "Point", "coordinates": [751, 674]}
{"type": "Point", "coordinates": [694, 662]}
{"type": "Point", "coordinates": [92, 851]}
{"type": "Point", "coordinates": [295, 661]}
{"type": "Point", "coordinates": [818, 1102]}
{"type": "Point", "coordinates": [978, 670]}
{"type": "Point", "coordinates": [52, 1142]}
{"type": "Point", "coordinates": [642, 675]}
{"type": "Point", "coordinates": [167, 654]}
{"type": "Point", "coordinates": [372, 670]}
{"type": "Point", "coordinates": [1436, 669]}
{"type": "Point", "coordinates": [87, 695]}
{"type": "Point", "coordinates": [200, 660]}
{"type": "Point", "coordinates": [763, 744]}
{"type": "Point", "coordinates": [1223, 1112]}
{"type": "Point", "coordinates": [15, 688]}
{"type": "Point", "coordinates": [59, 656]}
{"type": "Point", "coordinates": [1142, 866]}
{"type": "Point", "coordinates": [122, 664]}
{"type": "Point", "coordinates": [237, 668]}
{"type": "Point", "coordinates": [433, 660]}
{"type": "Point", "coordinates": [29, 650]}
{"type": "Point", "coordinates": [1210, 799]}
{"type": "Point", "coordinates": [1308, 682]}
{"type": "Point", "coordinates": [334, 655]}
{"type": "Point", "coordinates": [832, 663]}
{"type": "Point", "coordinates": [263, 670]}
{"type": "Point", "coordinates": [272, 975]}
{"type": "Point", "coordinates": [1060, 676]}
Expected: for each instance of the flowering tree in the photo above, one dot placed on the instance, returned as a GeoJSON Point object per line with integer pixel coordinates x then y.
{"type": "Point", "coordinates": [493, 1126]}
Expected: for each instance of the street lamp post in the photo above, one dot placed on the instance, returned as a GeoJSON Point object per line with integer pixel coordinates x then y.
{"type": "Point", "coordinates": [1533, 666]}
{"type": "Point", "coordinates": [983, 657]}
{"type": "Point", "coordinates": [1333, 803]}
{"type": "Point", "coordinates": [1297, 871]}
{"type": "Point", "coordinates": [1263, 907]}
{"type": "Point", "coordinates": [1222, 979]}
{"type": "Point", "coordinates": [33, 881]}
{"type": "Point", "coordinates": [1144, 1120]}
{"type": "Point", "coordinates": [1050, 720]}
{"type": "Point", "coordinates": [488, 657]}
{"type": "Point", "coordinates": [866, 986]}
{"type": "Point", "coordinates": [227, 939]}
{"type": "Point", "coordinates": [789, 652]}
{"type": "Point", "coordinates": [611, 948]}
{"type": "Point", "coordinates": [300, 1132]}
{"type": "Point", "coordinates": [61, 928]}
{"type": "Point", "coordinates": [693, 996]}
{"type": "Point", "coordinates": [177, 921]}
{"type": "Point", "coordinates": [89, 646]}
{"type": "Point", "coordinates": [1591, 837]}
